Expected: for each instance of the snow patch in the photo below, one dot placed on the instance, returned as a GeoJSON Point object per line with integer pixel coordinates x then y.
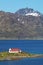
{"type": "Point", "coordinates": [18, 19]}
{"type": "Point", "coordinates": [33, 14]}
{"type": "Point", "coordinates": [22, 22]}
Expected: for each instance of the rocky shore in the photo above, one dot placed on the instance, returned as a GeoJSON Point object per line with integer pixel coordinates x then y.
{"type": "Point", "coordinates": [17, 56]}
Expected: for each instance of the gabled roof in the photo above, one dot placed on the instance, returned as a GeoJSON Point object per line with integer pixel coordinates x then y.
{"type": "Point", "coordinates": [15, 49]}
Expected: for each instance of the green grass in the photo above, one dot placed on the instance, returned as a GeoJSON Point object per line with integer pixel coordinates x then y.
{"type": "Point", "coordinates": [9, 56]}
{"type": "Point", "coordinates": [4, 55]}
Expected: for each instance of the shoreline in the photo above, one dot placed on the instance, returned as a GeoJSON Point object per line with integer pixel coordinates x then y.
{"type": "Point", "coordinates": [12, 56]}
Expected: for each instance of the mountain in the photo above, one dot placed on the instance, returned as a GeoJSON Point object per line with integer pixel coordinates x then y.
{"type": "Point", "coordinates": [23, 24]}
{"type": "Point", "coordinates": [25, 11]}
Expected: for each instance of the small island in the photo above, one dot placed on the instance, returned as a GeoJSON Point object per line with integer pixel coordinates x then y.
{"type": "Point", "coordinates": [16, 54]}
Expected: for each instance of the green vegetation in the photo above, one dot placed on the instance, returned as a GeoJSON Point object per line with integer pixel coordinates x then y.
{"type": "Point", "coordinates": [14, 56]}
{"type": "Point", "coordinates": [10, 56]}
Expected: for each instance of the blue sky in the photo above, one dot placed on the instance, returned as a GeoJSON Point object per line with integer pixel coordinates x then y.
{"type": "Point", "coordinates": [14, 5]}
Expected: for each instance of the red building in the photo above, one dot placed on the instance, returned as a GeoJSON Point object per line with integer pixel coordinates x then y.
{"type": "Point", "coordinates": [14, 50]}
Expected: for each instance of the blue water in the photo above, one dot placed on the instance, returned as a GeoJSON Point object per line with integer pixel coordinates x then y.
{"type": "Point", "coordinates": [27, 46]}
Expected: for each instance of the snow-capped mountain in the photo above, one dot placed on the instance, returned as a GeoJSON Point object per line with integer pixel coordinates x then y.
{"type": "Point", "coordinates": [23, 24]}
{"type": "Point", "coordinates": [27, 12]}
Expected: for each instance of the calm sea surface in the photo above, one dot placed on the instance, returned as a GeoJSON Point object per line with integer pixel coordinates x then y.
{"type": "Point", "coordinates": [27, 46]}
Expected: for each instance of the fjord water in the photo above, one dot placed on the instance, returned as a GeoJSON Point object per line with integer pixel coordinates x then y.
{"type": "Point", "coordinates": [31, 46]}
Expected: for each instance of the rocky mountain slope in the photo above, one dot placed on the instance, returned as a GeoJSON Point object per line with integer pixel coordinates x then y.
{"type": "Point", "coordinates": [23, 24]}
